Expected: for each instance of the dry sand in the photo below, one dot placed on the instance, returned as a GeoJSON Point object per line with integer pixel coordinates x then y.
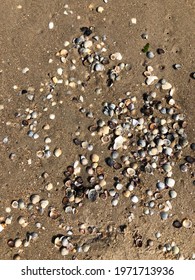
{"type": "Point", "coordinates": [26, 41]}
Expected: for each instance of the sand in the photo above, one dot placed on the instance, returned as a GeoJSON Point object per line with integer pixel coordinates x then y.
{"type": "Point", "coordinates": [27, 41]}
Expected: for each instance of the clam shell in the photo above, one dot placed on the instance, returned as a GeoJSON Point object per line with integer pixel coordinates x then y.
{"type": "Point", "coordinates": [187, 223]}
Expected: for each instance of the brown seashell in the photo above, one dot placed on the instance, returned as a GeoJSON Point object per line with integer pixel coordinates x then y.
{"type": "Point", "coordinates": [54, 214]}
{"type": "Point", "coordinates": [99, 170]}
{"type": "Point", "coordinates": [117, 165]}
{"type": "Point", "coordinates": [103, 195]}
{"type": "Point", "coordinates": [65, 200]}
{"type": "Point", "coordinates": [152, 126]}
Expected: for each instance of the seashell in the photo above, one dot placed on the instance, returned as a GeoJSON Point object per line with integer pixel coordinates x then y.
{"type": "Point", "coordinates": [114, 202]}
{"type": "Point", "coordinates": [44, 203]}
{"type": "Point", "coordinates": [99, 67]}
{"type": "Point", "coordinates": [119, 186]}
{"type": "Point", "coordinates": [172, 194]}
{"type": "Point", "coordinates": [177, 224]}
{"type": "Point", "coordinates": [166, 86]}
{"type": "Point", "coordinates": [2, 226]}
{"type": "Point", "coordinates": [150, 80]}
{"type": "Point", "coordinates": [134, 199]}
{"type": "Point", "coordinates": [53, 214]}
{"type": "Point", "coordinates": [11, 243]}
{"type": "Point", "coordinates": [169, 182]}
{"type": "Point", "coordinates": [14, 204]}
{"type": "Point", "coordinates": [160, 186]}
{"type": "Point", "coordinates": [64, 251]}
{"type": "Point", "coordinates": [57, 152]}
{"type": "Point", "coordinates": [118, 142]}
{"type": "Point", "coordinates": [85, 248]}
{"type": "Point", "coordinates": [150, 55]}
{"type": "Point", "coordinates": [163, 215]}
{"type": "Point", "coordinates": [92, 195]}
{"type": "Point", "coordinates": [126, 193]}
{"type": "Point", "coordinates": [35, 198]}
{"type": "Point", "coordinates": [94, 158]}
{"type": "Point", "coordinates": [117, 165]}
{"type": "Point", "coordinates": [175, 250]}
{"type": "Point", "coordinates": [130, 172]}
{"type": "Point", "coordinates": [17, 242]}
{"type": "Point", "coordinates": [187, 223]}
{"type": "Point", "coordinates": [116, 56]}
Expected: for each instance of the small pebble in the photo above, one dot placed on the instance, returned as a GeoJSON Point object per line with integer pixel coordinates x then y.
{"type": "Point", "coordinates": [51, 25]}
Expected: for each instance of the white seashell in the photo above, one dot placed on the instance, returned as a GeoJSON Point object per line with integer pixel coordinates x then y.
{"type": "Point", "coordinates": [64, 251]}
{"type": "Point", "coordinates": [150, 80]}
{"type": "Point", "coordinates": [134, 199]}
{"type": "Point", "coordinates": [187, 223]}
{"type": "Point", "coordinates": [114, 202]}
{"type": "Point", "coordinates": [35, 198]}
{"type": "Point", "coordinates": [169, 182]}
{"type": "Point", "coordinates": [44, 203]}
{"type": "Point", "coordinates": [88, 44]}
{"type": "Point", "coordinates": [17, 242]}
{"type": "Point", "coordinates": [85, 248]}
{"type": "Point", "coordinates": [118, 142]}
{"type": "Point", "coordinates": [99, 67]}
{"type": "Point", "coordinates": [166, 86]}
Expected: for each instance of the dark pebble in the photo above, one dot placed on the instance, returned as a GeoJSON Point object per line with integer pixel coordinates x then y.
{"type": "Point", "coordinates": [86, 31]}
{"type": "Point", "coordinates": [192, 146]}
{"type": "Point", "coordinates": [160, 51]}
{"type": "Point", "coordinates": [190, 159]}
{"type": "Point", "coordinates": [177, 224]}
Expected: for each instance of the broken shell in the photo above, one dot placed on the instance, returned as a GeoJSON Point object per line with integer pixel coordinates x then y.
{"type": "Point", "coordinates": [118, 142]}
{"type": "Point", "coordinates": [150, 80]}
{"type": "Point", "coordinates": [187, 223]}
{"type": "Point", "coordinates": [166, 86]}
